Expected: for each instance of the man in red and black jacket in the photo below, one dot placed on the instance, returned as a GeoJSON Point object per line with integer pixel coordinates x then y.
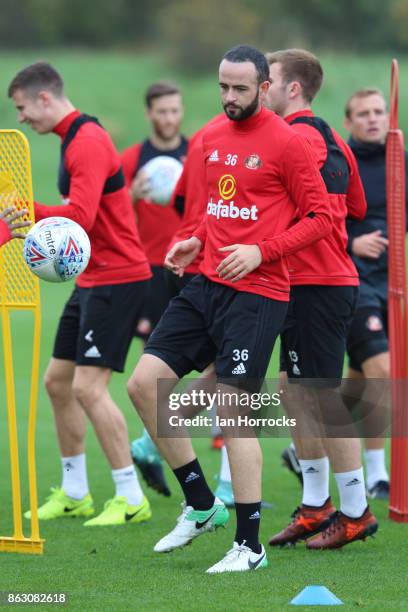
{"type": "Point", "coordinates": [96, 326]}
{"type": "Point", "coordinates": [157, 224]}
{"type": "Point", "coordinates": [259, 175]}
{"type": "Point", "coordinates": [324, 291]}
{"type": "Point", "coordinates": [8, 225]}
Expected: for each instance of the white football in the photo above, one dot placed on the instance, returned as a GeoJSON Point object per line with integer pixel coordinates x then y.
{"type": "Point", "coordinates": [57, 249]}
{"type": "Point", "coordinates": [162, 172]}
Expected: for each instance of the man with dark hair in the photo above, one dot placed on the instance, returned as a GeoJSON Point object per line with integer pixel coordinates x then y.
{"type": "Point", "coordinates": [259, 177]}
{"type": "Point", "coordinates": [324, 289]}
{"type": "Point", "coordinates": [160, 90]}
{"type": "Point", "coordinates": [366, 119]}
{"type": "Point", "coordinates": [35, 78]}
{"type": "Point", "coordinates": [157, 225]}
{"type": "Point", "coordinates": [8, 225]}
{"type": "Point", "coordinates": [96, 326]}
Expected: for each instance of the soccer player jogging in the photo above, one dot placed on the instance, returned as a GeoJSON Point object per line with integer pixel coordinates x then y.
{"type": "Point", "coordinates": [8, 224]}
{"type": "Point", "coordinates": [324, 291]}
{"type": "Point", "coordinates": [367, 345]}
{"type": "Point", "coordinates": [96, 326]}
{"type": "Point", "coordinates": [189, 199]}
{"type": "Point", "coordinates": [157, 225]}
{"type": "Point", "coordinates": [259, 175]}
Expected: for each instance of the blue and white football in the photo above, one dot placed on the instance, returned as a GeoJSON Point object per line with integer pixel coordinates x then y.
{"type": "Point", "coordinates": [57, 249]}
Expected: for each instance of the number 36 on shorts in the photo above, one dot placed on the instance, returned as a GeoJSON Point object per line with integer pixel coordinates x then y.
{"type": "Point", "coordinates": [240, 355]}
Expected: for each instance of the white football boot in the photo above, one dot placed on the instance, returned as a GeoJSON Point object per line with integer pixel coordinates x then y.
{"type": "Point", "coordinates": [193, 523]}
{"type": "Point", "coordinates": [240, 559]}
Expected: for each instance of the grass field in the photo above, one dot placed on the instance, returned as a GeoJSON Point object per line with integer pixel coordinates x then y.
{"type": "Point", "coordinates": [116, 569]}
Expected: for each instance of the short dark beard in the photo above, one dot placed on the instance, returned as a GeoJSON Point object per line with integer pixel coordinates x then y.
{"type": "Point", "coordinates": [246, 112]}
{"type": "Point", "coordinates": [163, 136]}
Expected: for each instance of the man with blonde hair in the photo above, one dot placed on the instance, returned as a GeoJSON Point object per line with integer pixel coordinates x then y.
{"type": "Point", "coordinates": [324, 288]}
{"type": "Point", "coordinates": [366, 118]}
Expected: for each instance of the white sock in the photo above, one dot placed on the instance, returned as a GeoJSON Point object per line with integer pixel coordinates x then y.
{"type": "Point", "coordinates": [74, 477]}
{"type": "Point", "coordinates": [127, 485]}
{"type": "Point", "coordinates": [225, 472]}
{"type": "Point", "coordinates": [315, 481]}
{"type": "Point", "coordinates": [353, 500]}
{"type": "Point", "coordinates": [375, 466]}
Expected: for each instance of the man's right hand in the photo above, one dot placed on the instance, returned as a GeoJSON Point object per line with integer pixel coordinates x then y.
{"type": "Point", "coordinates": [369, 245]}
{"type": "Point", "coordinates": [182, 254]}
{"type": "Point", "coordinates": [139, 189]}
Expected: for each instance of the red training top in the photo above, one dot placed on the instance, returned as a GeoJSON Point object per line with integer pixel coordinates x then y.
{"type": "Point", "coordinates": [156, 224]}
{"type": "Point", "coordinates": [260, 175]}
{"type": "Point", "coordinates": [193, 191]}
{"type": "Point", "coordinates": [117, 256]}
{"type": "Point", "coordinates": [5, 233]}
{"type": "Point", "coordinates": [327, 262]}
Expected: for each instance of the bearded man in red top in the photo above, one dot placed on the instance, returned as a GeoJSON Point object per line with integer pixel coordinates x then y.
{"type": "Point", "coordinates": [96, 326]}
{"type": "Point", "coordinates": [259, 176]}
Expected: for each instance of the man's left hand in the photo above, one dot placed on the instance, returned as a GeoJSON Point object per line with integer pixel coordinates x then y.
{"type": "Point", "coordinates": [244, 258]}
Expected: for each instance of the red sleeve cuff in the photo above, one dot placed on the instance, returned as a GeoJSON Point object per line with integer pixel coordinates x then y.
{"type": "Point", "coordinates": [5, 233]}
{"type": "Point", "coordinates": [200, 233]}
{"type": "Point", "coordinates": [269, 252]}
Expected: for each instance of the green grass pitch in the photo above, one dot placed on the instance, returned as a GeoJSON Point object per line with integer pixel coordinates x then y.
{"type": "Point", "coordinates": [115, 568]}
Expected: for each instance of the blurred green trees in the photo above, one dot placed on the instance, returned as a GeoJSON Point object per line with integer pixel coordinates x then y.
{"type": "Point", "coordinates": [193, 33]}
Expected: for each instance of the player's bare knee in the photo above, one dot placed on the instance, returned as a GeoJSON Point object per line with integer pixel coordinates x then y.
{"type": "Point", "coordinates": [141, 389]}
{"type": "Point", "coordinates": [87, 395]}
{"type": "Point", "coordinates": [56, 386]}
{"type": "Point", "coordinates": [377, 367]}
{"type": "Point", "coordinates": [383, 370]}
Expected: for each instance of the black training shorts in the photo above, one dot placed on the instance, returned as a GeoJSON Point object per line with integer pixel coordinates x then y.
{"type": "Point", "coordinates": [313, 340]}
{"type": "Point", "coordinates": [175, 284]}
{"type": "Point", "coordinates": [210, 322]}
{"type": "Point", "coordinates": [97, 324]}
{"type": "Point", "coordinates": [368, 335]}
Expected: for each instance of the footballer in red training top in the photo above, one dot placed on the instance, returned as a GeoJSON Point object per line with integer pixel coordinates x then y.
{"type": "Point", "coordinates": [259, 175]}
{"type": "Point", "coordinates": [156, 224]}
{"type": "Point", "coordinates": [324, 290]}
{"type": "Point", "coordinates": [96, 326]}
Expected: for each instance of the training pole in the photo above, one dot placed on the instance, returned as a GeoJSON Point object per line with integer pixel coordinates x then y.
{"type": "Point", "coordinates": [397, 308]}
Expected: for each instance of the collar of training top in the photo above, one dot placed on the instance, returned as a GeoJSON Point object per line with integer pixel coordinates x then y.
{"type": "Point", "coordinates": [305, 112]}
{"type": "Point", "coordinates": [63, 126]}
{"type": "Point", "coordinates": [251, 122]}
{"type": "Point", "coordinates": [366, 149]}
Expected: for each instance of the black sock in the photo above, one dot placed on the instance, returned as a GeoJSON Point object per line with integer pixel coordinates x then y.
{"type": "Point", "coordinates": [194, 485]}
{"type": "Point", "coordinates": [248, 519]}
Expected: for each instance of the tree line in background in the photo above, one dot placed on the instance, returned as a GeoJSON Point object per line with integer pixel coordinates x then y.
{"type": "Point", "coordinates": [193, 33]}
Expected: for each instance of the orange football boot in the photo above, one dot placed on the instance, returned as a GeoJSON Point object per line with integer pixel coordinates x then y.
{"type": "Point", "coordinates": [307, 521]}
{"type": "Point", "coordinates": [344, 530]}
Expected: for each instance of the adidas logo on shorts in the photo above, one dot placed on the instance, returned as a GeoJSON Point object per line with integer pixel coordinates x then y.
{"type": "Point", "coordinates": [92, 352]}
{"type": "Point", "coordinates": [214, 156]}
{"type": "Point", "coordinates": [240, 369]}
